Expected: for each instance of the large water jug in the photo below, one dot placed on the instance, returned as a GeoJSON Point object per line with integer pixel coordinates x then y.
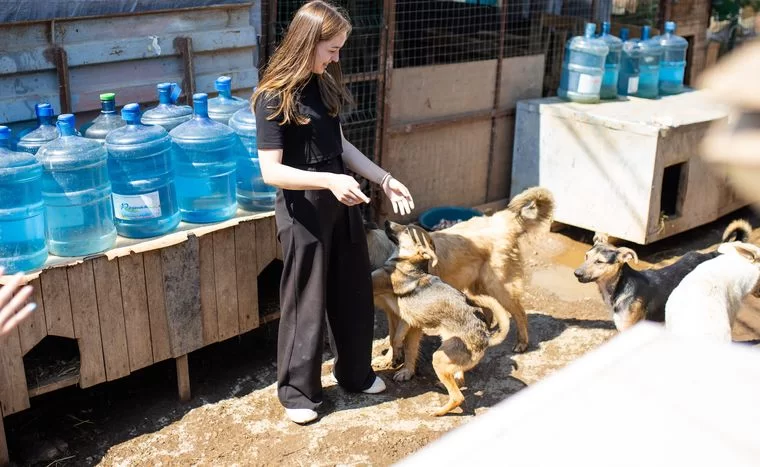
{"type": "Point", "coordinates": [46, 131]}
{"type": "Point", "coordinates": [204, 164]}
{"type": "Point", "coordinates": [611, 64]}
{"type": "Point", "coordinates": [221, 107]}
{"type": "Point", "coordinates": [142, 177]}
{"type": "Point", "coordinates": [76, 192]}
{"type": "Point", "coordinates": [628, 80]}
{"type": "Point", "coordinates": [104, 123]}
{"type": "Point", "coordinates": [167, 113]}
{"type": "Point", "coordinates": [252, 193]}
{"type": "Point", "coordinates": [649, 65]}
{"type": "Point", "coordinates": [583, 67]}
{"type": "Point", "coordinates": [673, 62]}
{"type": "Point", "coordinates": [22, 217]}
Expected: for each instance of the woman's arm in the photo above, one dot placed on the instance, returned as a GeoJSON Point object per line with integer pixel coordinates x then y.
{"type": "Point", "coordinates": [360, 163]}
{"type": "Point", "coordinates": [397, 193]}
{"type": "Point", "coordinates": [345, 188]}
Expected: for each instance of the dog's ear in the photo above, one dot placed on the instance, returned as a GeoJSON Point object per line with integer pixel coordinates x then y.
{"type": "Point", "coordinates": [529, 210]}
{"type": "Point", "coordinates": [421, 237]}
{"type": "Point", "coordinates": [430, 255]}
{"type": "Point", "coordinates": [625, 255]}
{"type": "Point", "coordinates": [600, 237]}
{"type": "Point", "coordinates": [749, 253]}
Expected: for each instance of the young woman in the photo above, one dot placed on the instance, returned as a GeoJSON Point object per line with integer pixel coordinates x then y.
{"type": "Point", "coordinates": [303, 152]}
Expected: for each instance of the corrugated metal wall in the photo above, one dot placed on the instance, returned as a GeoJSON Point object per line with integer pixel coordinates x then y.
{"type": "Point", "coordinates": [125, 53]}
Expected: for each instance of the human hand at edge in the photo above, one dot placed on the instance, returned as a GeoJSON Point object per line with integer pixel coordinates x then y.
{"type": "Point", "coordinates": [13, 309]}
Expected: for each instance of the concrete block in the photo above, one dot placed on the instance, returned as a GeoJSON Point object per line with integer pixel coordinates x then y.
{"type": "Point", "coordinates": [629, 168]}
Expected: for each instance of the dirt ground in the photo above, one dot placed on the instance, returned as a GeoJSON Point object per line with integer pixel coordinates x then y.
{"type": "Point", "coordinates": [235, 419]}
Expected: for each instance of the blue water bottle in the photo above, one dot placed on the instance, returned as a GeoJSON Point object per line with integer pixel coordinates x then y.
{"type": "Point", "coordinates": [252, 193]}
{"type": "Point", "coordinates": [611, 64]}
{"type": "Point", "coordinates": [205, 166]}
{"type": "Point", "coordinates": [583, 67]}
{"type": "Point", "coordinates": [107, 121]}
{"type": "Point", "coordinates": [673, 62]}
{"type": "Point", "coordinates": [22, 216]}
{"type": "Point", "coordinates": [31, 141]}
{"type": "Point", "coordinates": [649, 65]}
{"type": "Point", "coordinates": [628, 79]}
{"type": "Point", "coordinates": [142, 177]}
{"type": "Point", "coordinates": [76, 192]}
{"type": "Point", "coordinates": [167, 113]}
{"type": "Point", "coordinates": [221, 107]}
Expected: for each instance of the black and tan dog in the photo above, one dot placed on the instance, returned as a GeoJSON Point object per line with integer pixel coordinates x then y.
{"type": "Point", "coordinates": [481, 255]}
{"type": "Point", "coordinates": [425, 302]}
{"type": "Point", "coordinates": [633, 295]}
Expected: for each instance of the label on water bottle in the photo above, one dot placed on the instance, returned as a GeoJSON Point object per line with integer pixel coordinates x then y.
{"type": "Point", "coordinates": [633, 85]}
{"type": "Point", "coordinates": [133, 207]}
{"type": "Point", "coordinates": [589, 84]}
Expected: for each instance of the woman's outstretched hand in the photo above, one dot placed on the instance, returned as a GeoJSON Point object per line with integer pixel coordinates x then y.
{"type": "Point", "coordinates": [13, 306]}
{"type": "Point", "coordinates": [399, 195]}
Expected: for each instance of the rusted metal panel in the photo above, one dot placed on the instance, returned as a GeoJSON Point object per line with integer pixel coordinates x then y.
{"type": "Point", "coordinates": [125, 54]}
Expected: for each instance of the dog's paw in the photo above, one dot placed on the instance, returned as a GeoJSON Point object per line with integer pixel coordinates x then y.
{"type": "Point", "coordinates": [404, 374]}
{"type": "Point", "coordinates": [520, 347]}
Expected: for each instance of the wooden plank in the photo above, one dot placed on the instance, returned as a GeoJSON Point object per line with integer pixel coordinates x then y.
{"type": "Point", "coordinates": [134, 295]}
{"type": "Point", "coordinates": [448, 165]}
{"type": "Point", "coordinates": [181, 269]}
{"type": "Point", "coordinates": [208, 290]}
{"type": "Point", "coordinates": [64, 382]}
{"type": "Point", "coordinates": [713, 50]}
{"type": "Point", "coordinates": [159, 326]}
{"type": "Point", "coordinates": [84, 309]}
{"type": "Point", "coordinates": [111, 313]}
{"type": "Point", "coordinates": [442, 90]}
{"type": "Point", "coordinates": [33, 329]}
{"type": "Point", "coordinates": [266, 242]}
{"type": "Point", "coordinates": [226, 283]}
{"type": "Point", "coordinates": [13, 393]}
{"type": "Point", "coordinates": [183, 378]}
{"type": "Point", "coordinates": [501, 163]}
{"type": "Point", "coordinates": [521, 78]}
{"type": "Point", "coordinates": [247, 283]}
{"type": "Point", "coordinates": [55, 294]}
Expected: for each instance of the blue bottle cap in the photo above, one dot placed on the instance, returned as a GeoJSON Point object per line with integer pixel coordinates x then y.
{"type": "Point", "coordinates": [645, 33]}
{"type": "Point", "coordinates": [624, 34]}
{"type": "Point", "coordinates": [131, 113]}
{"type": "Point", "coordinates": [5, 132]}
{"type": "Point", "coordinates": [590, 29]}
{"type": "Point", "coordinates": [606, 27]}
{"type": "Point", "coordinates": [66, 124]}
{"type": "Point", "coordinates": [175, 92]}
{"type": "Point", "coordinates": [200, 98]}
{"type": "Point", "coordinates": [223, 83]}
{"type": "Point", "coordinates": [670, 26]}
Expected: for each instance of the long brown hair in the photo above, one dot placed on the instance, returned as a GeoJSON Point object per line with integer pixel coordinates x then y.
{"type": "Point", "coordinates": [291, 65]}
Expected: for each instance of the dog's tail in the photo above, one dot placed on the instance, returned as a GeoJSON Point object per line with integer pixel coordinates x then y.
{"type": "Point", "coordinates": [532, 208]}
{"type": "Point", "coordinates": [500, 314]}
{"type": "Point", "coordinates": [738, 230]}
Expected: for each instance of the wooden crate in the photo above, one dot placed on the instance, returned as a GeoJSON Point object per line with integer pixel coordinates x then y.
{"type": "Point", "coordinates": [143, 302]}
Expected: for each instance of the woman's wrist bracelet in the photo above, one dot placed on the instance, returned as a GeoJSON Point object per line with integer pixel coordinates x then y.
{"type": "Point", "coordinates": [385, 178]}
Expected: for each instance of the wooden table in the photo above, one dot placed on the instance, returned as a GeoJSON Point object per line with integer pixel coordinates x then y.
{"type": "Point", "coordinates": [142, 302]}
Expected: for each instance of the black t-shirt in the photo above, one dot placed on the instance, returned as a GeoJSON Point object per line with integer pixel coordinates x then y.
{"type": "Point", "coordinates": [316, 142]}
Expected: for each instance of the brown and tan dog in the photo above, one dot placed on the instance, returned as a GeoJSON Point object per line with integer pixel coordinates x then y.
{"type": "Point", "coordinates": [424, 301]}
{"type": "Point", "coordinates": [480, 256]}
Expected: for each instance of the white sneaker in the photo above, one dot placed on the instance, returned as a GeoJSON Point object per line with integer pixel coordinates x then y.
{"type": "Point", "coordinates": [301, 416]}
{"type": "Point", "coordinates": [377, 387]}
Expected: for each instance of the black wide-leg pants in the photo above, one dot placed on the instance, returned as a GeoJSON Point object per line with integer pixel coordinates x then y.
{"type": "Point", "coordinates": [326, 271]}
